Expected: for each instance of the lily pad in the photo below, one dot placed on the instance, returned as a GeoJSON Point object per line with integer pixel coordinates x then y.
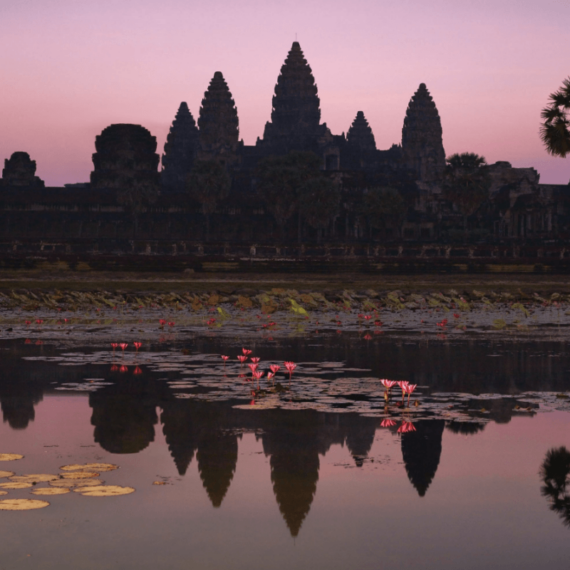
{"type": "Point", "coordinates": [35, 478]}
{"type": "Point", "coordinates": [76, 482]}
{"type": "Point", "coordinates": [10, 456]}
{"type": "Point", "coordinates": [3, 492]}
{"type": "Point", "coordinates": [49, 491]}
{"type": "Point", "coordinates": [105, 491]}
{"type": "Point", "coordinates": [80, 475]}
{"type": "Point", "coordinates": [4, 474]}
{"type": "Point", "coordinates": [16, 485]}
{"type": "Point", "coordinates": [90, 466]}
{"type": "Point", "coordinates": [22, 504]}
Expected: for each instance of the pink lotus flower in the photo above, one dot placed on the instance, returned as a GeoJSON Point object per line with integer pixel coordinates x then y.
{"type": "Point", "coordinates": [224, 357]}
{"type": "Point", "coordinates": [409, 389]}
{"type": "Point", "coordinates": [242, 358]}
{"type": "Point", "coordinates": [137, 345]}
{"type": "Point", "coordinates": [171, 324]}
{"type": "Point", "coordinates": [388, 422]}
{"type": "Point", "coordinates": [246, 352]}
{"type": "Point", "coordinates": [290, 366]}
{"type": "Point", "coordinates": [275, 368]}
{"type": "Point", "coordinates": [114, 345]}
{"type": "Point", "coordinates": [162, 322]}
{"type": "Point", "coordinates": [402, 383]}
{"type": "Point", "coordinates": [255, 359]}
{"type": "Point", "coordinates": [406, 427]}
{"type": "Point", "coordinates": [124, 345]}
{"type": "Point", "coordinates": [257, 374]}
{"type": "Point", "coordinates": [388, 384]}
{"type": "Point", "coordinates": [270, 375]}
{"type": "Point", "coordinates": [253, 368]}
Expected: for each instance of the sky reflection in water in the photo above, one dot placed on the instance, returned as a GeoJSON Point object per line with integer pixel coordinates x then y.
{"type": "Point", "coordinates": [283, 488]}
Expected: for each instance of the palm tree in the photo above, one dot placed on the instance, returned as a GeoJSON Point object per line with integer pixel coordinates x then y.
{"type": "Point", "coordinates": [384, 204]}
{"type": "Point", "coordinates": [136, 194]}
{"type": "Point", "coordinates": [208, 183]}
{"type": "Point", "coordinates": [554, 132]}
{"type": "Point", "coordinates": [467, 183]}
{"type": "Point", "coordinates": [319, 202]}
{"type": "Point", "coordinates": [555, 474]}
{"type": "Point", "coordinates": [279, 182]}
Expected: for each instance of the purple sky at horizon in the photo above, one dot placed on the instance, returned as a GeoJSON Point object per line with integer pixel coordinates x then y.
{"type": "Point", "coordinates": [73, 67]}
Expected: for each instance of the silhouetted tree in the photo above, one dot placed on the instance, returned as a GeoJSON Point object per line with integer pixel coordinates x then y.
{"type": "Point", "coordinates": [279, 182]}
{"type": "Point", "coordinates": [466, 184]}
{"type": "Point", "coordinates": [319, 202]}
{"type": "Point", "coordinates": [382, 205]}
{"type": "Point", "coordinates": [555, 473]}
{"type": "Point", "coordinates": [136, 195]}
{"type": "Point", "coordinates": [208, 183]}
{"type": "Point", "coordinates": [554, 131]}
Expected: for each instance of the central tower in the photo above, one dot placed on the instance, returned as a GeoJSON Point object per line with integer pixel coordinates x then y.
{"type": "Point", "coordinates": [296, 115]}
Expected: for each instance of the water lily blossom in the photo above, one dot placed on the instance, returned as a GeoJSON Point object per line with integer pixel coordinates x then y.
{"type": "Point", "coordinates": [275, 368]}
{"type": "Point", "coordinates": [246, 352]}
{"type": "Point", "coordinates": [255, 359]}
{"type": "Point", "coordinates": [253, 368]}
{"type": "Point", "coordinates": [388, 384]}
{"type": "Point", "coordinates": [242, 358]}
{"type": "Point", "coordinates": [137, 345]}
{"type": "Point", "coordinates": [290, 366]}
{"type": "Point", "coordinates": [409, 389]}
{"type": "Point", "coordinates": [406, 427]}
{"type": "Point", "coordinates": [387, 423]}
{"type": "Point", "coordinates": [124, 345]}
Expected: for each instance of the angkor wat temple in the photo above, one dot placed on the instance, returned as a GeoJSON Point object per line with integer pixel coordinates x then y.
{"type": "Point", "coordinates": [130, 205]}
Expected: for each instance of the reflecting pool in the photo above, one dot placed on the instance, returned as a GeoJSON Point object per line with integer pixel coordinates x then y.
{"type": "Point", "coordinates": [319, 470]}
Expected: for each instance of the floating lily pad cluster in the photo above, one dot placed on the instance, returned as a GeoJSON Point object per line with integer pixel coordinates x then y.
{"type": "Point", "coordinates": [323, 386]}
{"type": "Point", "coordinates": [279, 312]}
{"type": "Point", "coordinates": [81, 479]}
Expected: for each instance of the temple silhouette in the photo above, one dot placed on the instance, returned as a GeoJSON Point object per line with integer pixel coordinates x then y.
{"type": "Point", "coordinates": [132, 205]}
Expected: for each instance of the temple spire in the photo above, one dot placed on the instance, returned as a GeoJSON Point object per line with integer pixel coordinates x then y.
{"type": "Point", "coordinates": [296, 110]}
{"type": "Point", "coordinates": [218, 122]}
{"type": "Point", "coordinates": [360, 134]}
{"type": "Point", "coordinates": [422, 141]}
{"type": "Point", "coordinates": [179, 150]}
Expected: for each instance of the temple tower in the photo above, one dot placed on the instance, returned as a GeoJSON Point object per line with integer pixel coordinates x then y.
{"type": "Point", "coordinates": [296, 113]}
{"type": "Point", "coordinates": [125, 154]}
{"type": "Point", "coordinates": [180, 150]}
{"type": "Point", "coordinates": [20, 171]}
{"type": "Point", "coordinates": [218, 123]}
{"type": "Point", "coordinates": [422, 142]}
{"type": "Point", "coordinates": [360, 136]}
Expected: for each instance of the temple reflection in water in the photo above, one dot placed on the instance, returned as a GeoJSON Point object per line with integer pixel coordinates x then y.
{"type": "Point", "coordinates": [126, 413]}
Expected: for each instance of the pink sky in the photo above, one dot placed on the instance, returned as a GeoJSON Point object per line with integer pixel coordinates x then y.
{"type": "Point", "coordinates": [72, 67]}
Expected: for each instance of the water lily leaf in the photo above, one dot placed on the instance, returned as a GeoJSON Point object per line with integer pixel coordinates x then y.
{"type": "Point", "coordinates": [90, 466]}
{"type": "Point", "coordinates": [50, 491]}
{"type": "Point", "coordinates": [10, 456]}
{"type": "Point", "coordinates": [6, 474]}
{"type": "Point", "coordinates": [80, 475]}
{"type": "Point", "coordinates": [16, 485]}
{"type": "Point", "coordinates": [22, 504]}
{"type": "Point", "coordinates": [76, 482]}
{"type": "Point", "coordinates": [3, 492]}
{"type": "Point", "coordinates": [105, 491]}
{"type": "Point", "coordinates": [35, 478]}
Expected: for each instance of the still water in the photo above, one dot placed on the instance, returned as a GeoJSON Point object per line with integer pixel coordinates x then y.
{"type": "Point", "coordinates": [314, 477]}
